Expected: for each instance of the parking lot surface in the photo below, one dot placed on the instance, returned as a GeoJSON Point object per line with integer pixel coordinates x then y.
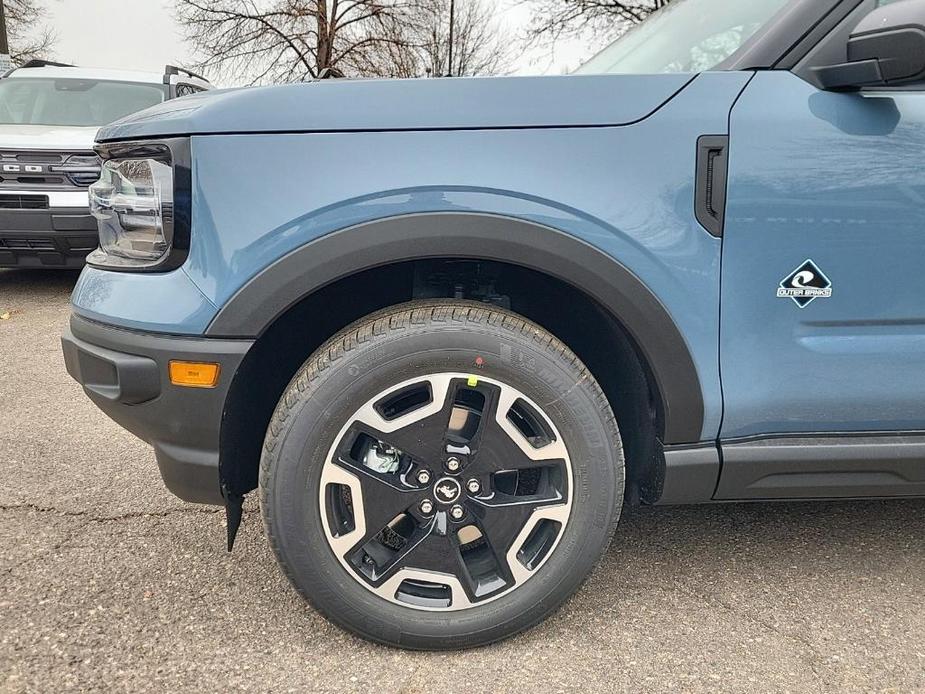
{"type": "Point", "coordinates": [107, 582]}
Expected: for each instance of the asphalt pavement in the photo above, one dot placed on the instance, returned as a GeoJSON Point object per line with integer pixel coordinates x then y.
{"type": "Point", "coordinates": [107, 582]}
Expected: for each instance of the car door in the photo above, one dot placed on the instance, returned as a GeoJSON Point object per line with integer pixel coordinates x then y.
{"type": "Point", "coordinates": [822, 338]}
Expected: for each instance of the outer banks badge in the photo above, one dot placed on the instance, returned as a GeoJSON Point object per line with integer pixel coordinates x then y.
{"type": "Point", "coordinates": [805, 284]}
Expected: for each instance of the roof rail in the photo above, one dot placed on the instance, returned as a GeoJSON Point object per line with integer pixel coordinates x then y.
{"type": "Point", "coordinates": [36, 62]}
{"type": "Point", "coordinates": [170, 70]}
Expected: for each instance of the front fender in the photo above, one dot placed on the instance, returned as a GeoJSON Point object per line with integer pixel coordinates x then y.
{"type": "Point", "coordinates": [624, 190]}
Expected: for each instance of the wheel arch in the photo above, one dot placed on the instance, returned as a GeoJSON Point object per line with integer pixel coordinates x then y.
{"type": "Point", "coordinates": [485, 237]}
{"type": "Point", "coordinates": [307, 286]}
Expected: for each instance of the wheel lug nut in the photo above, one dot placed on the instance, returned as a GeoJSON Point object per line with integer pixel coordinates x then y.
{"type": "Point", "coordinates": [473, 486]}
{"type": "Point", "coordinates": [423, 477]}
{"type": "Point", "coordinates": [453, 464]}
{"type": "Point", "coordinates": [456, 512]}
{"type": "Point", "coordinates": [427, 507]}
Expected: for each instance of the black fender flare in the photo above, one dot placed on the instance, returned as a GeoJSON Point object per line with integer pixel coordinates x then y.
{"type": "Point", "coordinates": [267, 295]}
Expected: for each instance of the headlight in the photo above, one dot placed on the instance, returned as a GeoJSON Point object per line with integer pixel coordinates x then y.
{"type": "Point", "coordinates": [133, 204]}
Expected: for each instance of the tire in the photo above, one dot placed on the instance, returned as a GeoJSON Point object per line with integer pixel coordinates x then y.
{"type": "Point", "coordinates": [529, 424]}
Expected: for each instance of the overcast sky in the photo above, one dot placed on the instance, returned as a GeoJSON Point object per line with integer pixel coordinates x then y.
{"type": "Point", "coordinates": [142, 35]}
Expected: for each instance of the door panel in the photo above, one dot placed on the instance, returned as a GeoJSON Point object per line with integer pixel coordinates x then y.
{"type": "Point", "coordinates": [837, 179]}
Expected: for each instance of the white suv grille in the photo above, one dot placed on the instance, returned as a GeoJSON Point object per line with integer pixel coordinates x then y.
{"type": "Point", "coordinates": [31, 170]}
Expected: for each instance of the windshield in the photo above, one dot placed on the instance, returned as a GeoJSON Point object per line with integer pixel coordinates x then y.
{"type": "Point", "coordinates": [72, 102]}
{"type": "Point", "coordinates": [685, 36]}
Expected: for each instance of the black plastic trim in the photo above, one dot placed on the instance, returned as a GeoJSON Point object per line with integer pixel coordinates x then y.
{"type": "Point", "coordinates": [824, 435]}
{"type": "Point", "coordinates": [115, 376]}
{"type": "Point", "coordinates": [50, 220]}
{"type": "Point", "coordinates": [691, 474]}
{"type": "Point", "coordinates": [858, 465]}
{"type": "Point", "coordinates": [484, 237]}
{"type": "Point", "coordinates": [124, 372]}
{"type": "Point", "coordinates": [52, 238]}
{"type": "Point", "coordinates": [178, 231]}
{"type": "Point", "coordinates": [710, 183]}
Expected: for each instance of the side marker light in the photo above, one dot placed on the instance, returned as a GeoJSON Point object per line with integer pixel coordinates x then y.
{"type": "Point", "coordinates": [194, 374]}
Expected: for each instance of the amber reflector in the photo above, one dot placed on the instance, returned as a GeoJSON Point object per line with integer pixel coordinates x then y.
{"type": "Point", "coordinates": [195, 374]}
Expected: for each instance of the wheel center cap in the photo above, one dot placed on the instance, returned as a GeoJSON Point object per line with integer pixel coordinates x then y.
{"type": "Point", "coordinates": [447, 490]}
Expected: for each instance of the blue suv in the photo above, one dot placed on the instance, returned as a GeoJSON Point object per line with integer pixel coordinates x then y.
{"type": "Point", "coordinates": [448, 327]}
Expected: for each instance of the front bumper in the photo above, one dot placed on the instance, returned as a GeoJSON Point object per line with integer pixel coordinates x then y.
{"type": "Point", "coordinates": [125, 373]}
{"type": "Point", "coordinates": [56, 237]}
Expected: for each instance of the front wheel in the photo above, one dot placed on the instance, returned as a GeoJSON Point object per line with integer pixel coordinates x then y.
{"type": "Point", "coordinates": [442, 474]}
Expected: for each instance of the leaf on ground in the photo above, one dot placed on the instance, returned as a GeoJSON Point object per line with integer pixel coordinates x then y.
{"type": "Point", "coordinates": [5, 315]}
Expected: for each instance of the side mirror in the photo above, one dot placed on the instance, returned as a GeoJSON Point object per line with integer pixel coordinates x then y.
{"type": "Point", "coordinates": [887, 48]}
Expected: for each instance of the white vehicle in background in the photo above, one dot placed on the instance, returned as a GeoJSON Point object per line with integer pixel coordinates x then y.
{"type": "Point", "coordinates": [49, 115]}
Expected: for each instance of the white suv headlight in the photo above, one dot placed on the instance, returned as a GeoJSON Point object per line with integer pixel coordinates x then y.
{"type": "Point", "coordinates": [133, 204]}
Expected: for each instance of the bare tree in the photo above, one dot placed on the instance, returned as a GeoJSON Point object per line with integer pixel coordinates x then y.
{"type": "Point", "coordinates": [260, 41]}
{"type": "Point", "coordinates": [480, 46]}
{"type": "Point", "coordinates": [599, 20]}
{"type": "Point", "coordinates": [28, 38]}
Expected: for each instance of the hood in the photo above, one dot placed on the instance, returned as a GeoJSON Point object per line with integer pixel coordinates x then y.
{"type": "Point", "coordinates": [52, 137]}
{"type": "Point", "coordinates": [410, 104]}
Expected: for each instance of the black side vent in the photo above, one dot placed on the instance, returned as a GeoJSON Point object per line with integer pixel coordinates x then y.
{"type": "Point", "coordinates": [710, 186]}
